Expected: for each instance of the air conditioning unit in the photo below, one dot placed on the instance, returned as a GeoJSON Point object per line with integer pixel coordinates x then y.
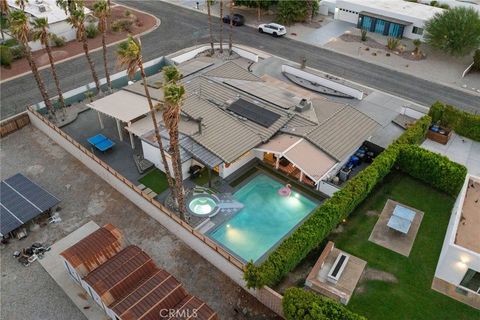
{"type": "Point", "coordinates": [303, 105]}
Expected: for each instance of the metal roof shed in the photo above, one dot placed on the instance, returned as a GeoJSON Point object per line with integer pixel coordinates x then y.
{"type": "Point", "coordinates": [22, 200]}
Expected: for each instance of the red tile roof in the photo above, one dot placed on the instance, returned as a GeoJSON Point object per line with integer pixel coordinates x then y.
{"type": "Point", "coordinates": [121, 274]}
{"type": "Point", "coordinates": [95, 249]}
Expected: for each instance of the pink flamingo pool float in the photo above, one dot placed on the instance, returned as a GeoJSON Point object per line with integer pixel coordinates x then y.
{"type": "Point", "coordinates": [285, 191]}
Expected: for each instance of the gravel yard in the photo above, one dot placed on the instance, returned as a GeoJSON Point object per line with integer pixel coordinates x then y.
{"type": "Point", "coordinates": [30, 293]}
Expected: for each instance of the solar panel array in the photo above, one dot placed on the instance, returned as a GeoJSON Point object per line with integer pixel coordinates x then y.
{"type": "Point", "coordinates": [21, 200]}
{"type": "Point", "coordinates": [254, 113]}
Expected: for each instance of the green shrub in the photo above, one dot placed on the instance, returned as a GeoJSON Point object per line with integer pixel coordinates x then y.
{"type": "Point", "coordinates": [444, 6]}
{"type": "Point", "coordinates": [91, 31]}
{"type": "Point", "coordinates": [123, 24]}
{"type": "Point", "coordinates": [18, 51]}
{"type": "Point", "coordinates": [6, 57]}
{"type": "Point", "coordinates": [10, 42]}
{"type": "Point", "coordinates": [432, 168]}
{"type": "Point", "coordinates": [393, 43]}
{"type": "Point", "coordinates": [363, 35]}
{"type": "Point", "coordinates": [434, 3]}
{"type": "Point", "coordinates": [463, 123]}
{"type": "Point", "coordinates": [300, 304]}
{"type": "Point", "coordinates": [58, 41]}
{"type": "Point", "coordinates": [320, 223]}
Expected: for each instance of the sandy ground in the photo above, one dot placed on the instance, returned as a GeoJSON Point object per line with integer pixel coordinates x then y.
{"type": "Point", "coordinates": [436, 67]}
{"type": "Point", "coordinates": [73, 48]}
{"type": "Point", "coordinates": [29, 292]}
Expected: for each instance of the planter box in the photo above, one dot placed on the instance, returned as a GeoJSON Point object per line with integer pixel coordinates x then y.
{"type": "Point", "coordinates": [438, 137]}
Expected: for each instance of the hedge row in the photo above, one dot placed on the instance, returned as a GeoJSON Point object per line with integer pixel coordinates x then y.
{"type": "Point", "coordinates": [305, 305]}
{"type": "Point", "coordinates": [463, 123]}
{"type": "Point", "coordinates": [320, 223]}
{"type": "Point", "coordinates": [432, 168]}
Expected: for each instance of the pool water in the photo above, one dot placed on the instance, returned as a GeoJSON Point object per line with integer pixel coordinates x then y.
{"type": "Point", "coordinates": [202, 205]}
{"type": "Point", "coordinates": [265, 219]}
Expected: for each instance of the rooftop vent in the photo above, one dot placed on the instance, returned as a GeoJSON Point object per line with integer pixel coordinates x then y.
{"type": "Point", "coordinates": [303, 105]}
{"type": "Point", "coordinates": [42, 8]}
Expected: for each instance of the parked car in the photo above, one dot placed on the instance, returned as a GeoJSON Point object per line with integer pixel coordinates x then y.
{"type": "Point", "coordinates": [238, 19]}
{"type": "Point", "coordinates": [274, 29]}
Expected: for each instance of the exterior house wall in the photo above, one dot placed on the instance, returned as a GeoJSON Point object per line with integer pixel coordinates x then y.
{"type": "Point", "coordinates": [152, 154]}
{"type": "Point", "coordinates": [247, 157]}
{"type": "Point", "coordinates": [454, 260]}
{"type": "Point", "coordinates": [349, 12]}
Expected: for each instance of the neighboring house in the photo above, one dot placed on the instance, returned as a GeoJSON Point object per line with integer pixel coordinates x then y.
{"type": "Point", "coordinates": [125, 281]}
{"type": "Point", "coordinates": [393, 18]}
{"type": "Point", "coordinates": [57, 18]}
{"type": "Point", "coordinates": [458, 270]}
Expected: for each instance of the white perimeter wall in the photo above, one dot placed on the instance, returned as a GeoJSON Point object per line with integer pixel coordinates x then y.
{"type": "Point", "coordinates": [152, 154]}
{"type": "Point", "coordinates": [454, 260]}
{"type": "Point", "coordinates": [357, 94]}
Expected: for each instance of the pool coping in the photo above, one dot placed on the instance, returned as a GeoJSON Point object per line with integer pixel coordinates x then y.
{"type": "Point", "coordinates": [263, 257]}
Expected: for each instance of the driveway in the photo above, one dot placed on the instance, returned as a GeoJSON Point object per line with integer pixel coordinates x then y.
{"type": "Point", "coordinates": [322, 35]}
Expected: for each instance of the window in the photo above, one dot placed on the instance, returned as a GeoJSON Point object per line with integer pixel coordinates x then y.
{"type": "Point", "coordinates": [417, 30]}
{"type": "Point", "coordinates": [471, 280]}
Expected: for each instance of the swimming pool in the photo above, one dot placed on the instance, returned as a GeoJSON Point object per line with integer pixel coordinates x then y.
{"type": "Point", "coordinates": [265, 219]}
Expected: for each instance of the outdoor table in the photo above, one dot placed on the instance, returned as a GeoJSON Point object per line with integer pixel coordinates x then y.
{"type": "Point", "coordinates": [401, 219]}
{"type": "Point", "coordinates": [101, 142]}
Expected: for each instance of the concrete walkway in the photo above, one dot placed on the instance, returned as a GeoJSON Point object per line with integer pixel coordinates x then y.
{"type": "Point", "coordinates": [53, 264]}
{"type": "Point", "coordinates": [319, 36]}
{"type": "Point", "coordinates": [459, 149]}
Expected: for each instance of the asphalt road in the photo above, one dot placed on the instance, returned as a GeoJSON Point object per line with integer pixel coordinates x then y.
{"type": "Point", "coordinates": [181, 28]}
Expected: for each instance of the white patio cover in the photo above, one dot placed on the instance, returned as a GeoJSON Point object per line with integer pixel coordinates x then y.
{"type": "Point", "coordinates": [312, 161]}
{"type": "Point", "coordinates": [122, 105]}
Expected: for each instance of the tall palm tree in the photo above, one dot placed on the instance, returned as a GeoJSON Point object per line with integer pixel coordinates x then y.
{"type": "Point", "coordinates": [230, 32]}
{"type": "Point", "coordinates": [19, 26]}
{"type": "Point", "coordinates": [40, 32]}
{"type": "Point", "coordinates": [173, 96]}
{"type": "Point", "coordinates": [4, 9]}
{"type": "Point", "coordinates": [77, 20]}
{"type": "Point", "coordinates": [129, 55]}
{"type": "Point", "coordinates": [309, 5]}
{"type": "Point", "coordinates": [209, 3]}
{"type": "Point", "coordinates": [101, 10]}
{"type": "Point", "coordinates": [221, 26]}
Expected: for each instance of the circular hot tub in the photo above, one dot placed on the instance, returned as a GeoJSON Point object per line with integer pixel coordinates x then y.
{"type": "Point", "coordinates": [203, 205]}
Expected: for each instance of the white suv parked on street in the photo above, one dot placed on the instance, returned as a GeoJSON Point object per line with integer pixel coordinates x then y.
{"type": "Point", "coordinates": [272, 28]}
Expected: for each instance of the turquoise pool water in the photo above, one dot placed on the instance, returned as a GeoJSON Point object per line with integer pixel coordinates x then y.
{"type": "Point", "coordinates": [266, 218]}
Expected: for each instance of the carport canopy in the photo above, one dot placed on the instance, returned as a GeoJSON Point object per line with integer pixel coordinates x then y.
{"type": "Point", "coordinates": [21, 200]}
{"type": "Point", "coordinates": [311, 160]}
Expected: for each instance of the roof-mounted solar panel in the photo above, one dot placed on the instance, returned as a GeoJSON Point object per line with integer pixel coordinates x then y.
{"type": "Point", "coordinates": [253, 112]}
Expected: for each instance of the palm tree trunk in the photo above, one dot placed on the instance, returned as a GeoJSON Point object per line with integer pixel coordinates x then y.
{"type": "Point", "coordinates": [230, 33]}
{"type": "Point", "coordinates": [177, 168]}
{"type": "Point", "coordinates": [38, 79]}
{"type": "Point", "coordinates": [221, 26]}
{"type": "Point", "coordinates": [259, 11]}
{"type": "Point", "coordinates": [309, 5]}
{"type": "Point", "coordinates": [105, 63]}
{"type": "Point", "coordinates": [90, 63]}
{"type": "Point", "coordinates": [171, 183]}
{"type": "Point", "coordinates": [210, 27]}
{"type": "Point", "coordinates": [55, 77]}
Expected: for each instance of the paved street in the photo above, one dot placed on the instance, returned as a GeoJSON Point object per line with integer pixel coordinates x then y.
{"type": "Point", "coordinates": [182, 28]}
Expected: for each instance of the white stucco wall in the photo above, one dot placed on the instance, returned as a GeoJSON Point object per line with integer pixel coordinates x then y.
{"type": "Point", "coordinates": [225, 172]}
{"type": "Point", "coordinates": [455, 260]}
{"type": "Point", "coordinates": [152, 154]}
{"type": "Point", "coordinates": [356, 7]}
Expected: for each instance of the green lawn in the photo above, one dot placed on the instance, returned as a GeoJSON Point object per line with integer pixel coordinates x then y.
{"type": "Point", "coordinates": [412, 297]}
{"type": "Point", "coordinates": [155, 180]}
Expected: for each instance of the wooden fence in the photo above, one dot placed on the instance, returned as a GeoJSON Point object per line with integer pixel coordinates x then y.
{"type": "Point", "coordinates": [218, 256]}
{"type": "Point", "coordinates": [230, 258]}
{"type": "Point", "coordinates": [13, 124]}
